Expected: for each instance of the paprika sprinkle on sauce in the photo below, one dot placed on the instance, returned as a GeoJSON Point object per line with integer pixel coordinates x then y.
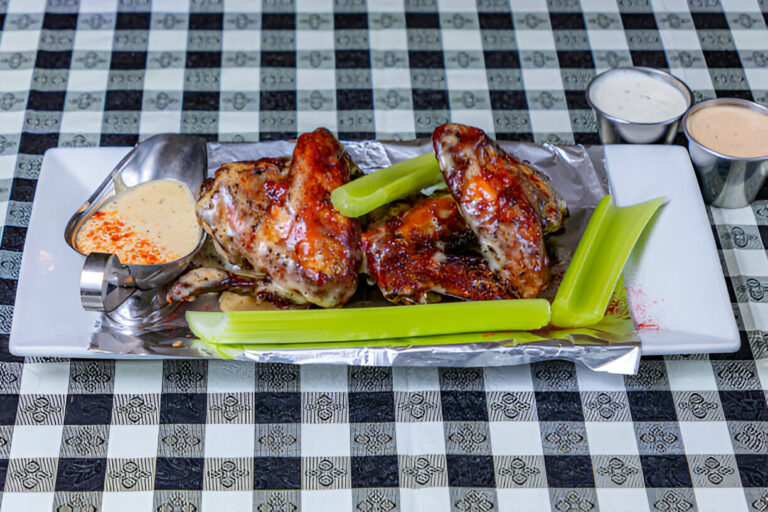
{"type": "Point", "coordinates": [151, 223]}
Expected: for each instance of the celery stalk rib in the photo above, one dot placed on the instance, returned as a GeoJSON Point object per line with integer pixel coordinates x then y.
{"type": "Point", "coordinates": [357, 324]}
{"type": "Point", "coordinates": [365, 194]}
{"type": "Point", "coordinates": [599, 258]}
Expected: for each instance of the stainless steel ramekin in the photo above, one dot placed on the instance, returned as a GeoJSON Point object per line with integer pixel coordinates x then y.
{"type": "Point", "coordinates": [617, 131]}
{"type": "Point", "coordinates": [726, 181]}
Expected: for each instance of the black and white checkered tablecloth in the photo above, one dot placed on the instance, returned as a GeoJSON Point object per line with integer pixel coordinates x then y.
{"type": "Point", "coordinates": [686, 433]}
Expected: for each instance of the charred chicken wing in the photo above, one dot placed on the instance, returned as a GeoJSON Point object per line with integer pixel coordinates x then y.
{"type": "Point", "coordinates": [507, 204]}
{"type": "Point", "coordinates": [411, 254]}
{"type": "Point", "coordinates": [275, 217]}
{"type": "Point", "coordinates": [305, 244]}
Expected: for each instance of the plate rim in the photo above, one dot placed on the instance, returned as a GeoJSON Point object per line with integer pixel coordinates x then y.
{"type": "Point", "coordinates": [25, 349]}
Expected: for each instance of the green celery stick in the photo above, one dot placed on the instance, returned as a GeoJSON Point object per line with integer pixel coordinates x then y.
{"type": "Point", "coordinates": [356, 324]}
{"type": "Point", "coordinates": [365, 194]}
{"type": "Point", "coordinates": [599, 258]}
{"type": "Point", "coordinates": [610, 327]}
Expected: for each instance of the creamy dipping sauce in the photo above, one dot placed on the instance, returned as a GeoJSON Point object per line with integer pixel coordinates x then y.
{"type": "Point", "coordinates": [153, 222]}
{"type": "Point", "coordinates": [730, 130]}
{"type": "Point", "coordinates": [637, 97]}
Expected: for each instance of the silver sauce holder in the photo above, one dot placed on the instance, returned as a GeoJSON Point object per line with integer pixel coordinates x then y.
{"type": "Point", "coordinates": [614, 130]}
{"type": "Point", "coordinates": [726, 181]}
{"type": "Point", "coordinates": [132, 295]}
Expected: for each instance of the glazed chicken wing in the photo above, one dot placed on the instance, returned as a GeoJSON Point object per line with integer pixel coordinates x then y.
{"type": "Point", "coordinates": [506, 203]}
{"type": "Point", "coordinates": [275, 217]}
{"type": "Point", "coordinates": [305, 244]}
{"type": "Point", "coordinates": [409, 255]}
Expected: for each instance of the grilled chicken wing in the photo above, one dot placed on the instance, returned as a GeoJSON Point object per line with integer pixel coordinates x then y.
{"type": "Point", "coordinates": [235, 201]}
{"type": "Point", "coordinates": [408, 255]}
{"type": "Point", "coordinates": [506, 203]}
{"type": "Point", "coordinates": [275, 217]}
{"type": "Point", "coordinates": [305, 244]}
{"type": "Point", "coordinates": [206, 280]}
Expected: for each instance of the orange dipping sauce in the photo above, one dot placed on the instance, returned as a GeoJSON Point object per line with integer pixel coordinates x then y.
{"type": "Point", "coordinates": [730, 130]}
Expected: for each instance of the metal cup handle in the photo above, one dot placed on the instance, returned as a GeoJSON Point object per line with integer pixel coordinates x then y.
{"type": "Point", "coordinates": [105, 283]}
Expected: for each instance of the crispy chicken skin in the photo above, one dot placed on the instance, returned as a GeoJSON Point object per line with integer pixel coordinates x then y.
{"type": "Point", "coordinates": [234, 202]}
{"type": "Point", "coordinates": [507, 204]}
{"type": "Point", "coordinates": [408, 255]}
{"type": "Point", "coordinates": [276, 217]}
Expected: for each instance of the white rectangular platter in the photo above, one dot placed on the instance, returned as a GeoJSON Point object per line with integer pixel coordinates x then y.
{"type": "Point", "coordinates": [674, 279]}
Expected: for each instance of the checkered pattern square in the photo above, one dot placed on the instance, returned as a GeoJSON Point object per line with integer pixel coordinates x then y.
{"type": "Point", "coordinates": [686, 432]}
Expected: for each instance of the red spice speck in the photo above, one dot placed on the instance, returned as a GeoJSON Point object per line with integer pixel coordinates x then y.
{"type": "Point", "coordinates": [106, 232]}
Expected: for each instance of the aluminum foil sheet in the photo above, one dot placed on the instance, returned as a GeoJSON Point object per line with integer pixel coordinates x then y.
{"type": "Point", "coordinates": [576, 172]}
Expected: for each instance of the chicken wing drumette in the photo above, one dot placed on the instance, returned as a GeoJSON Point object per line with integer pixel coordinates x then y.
{"type": "Point", "coordinates": [274, 217]}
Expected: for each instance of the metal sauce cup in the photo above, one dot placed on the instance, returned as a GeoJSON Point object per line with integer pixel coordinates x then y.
{"type": "Point", "coordinates": [106, 283]}
{"type": "Point", "coordinates": [726, 181]}
{"type": "Point", "coordinates": [614, 130]}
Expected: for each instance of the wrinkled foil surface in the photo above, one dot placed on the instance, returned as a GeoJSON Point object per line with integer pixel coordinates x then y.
{"type": "Point", "coordinates": [579, 176]}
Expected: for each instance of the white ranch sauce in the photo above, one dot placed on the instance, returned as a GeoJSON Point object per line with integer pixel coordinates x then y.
{"type": "Point", "coordinates": [637, 97]}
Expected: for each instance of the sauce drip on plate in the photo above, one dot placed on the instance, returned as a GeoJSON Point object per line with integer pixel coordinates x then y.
{"type": "Point", "coordinates": [151, 223]}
